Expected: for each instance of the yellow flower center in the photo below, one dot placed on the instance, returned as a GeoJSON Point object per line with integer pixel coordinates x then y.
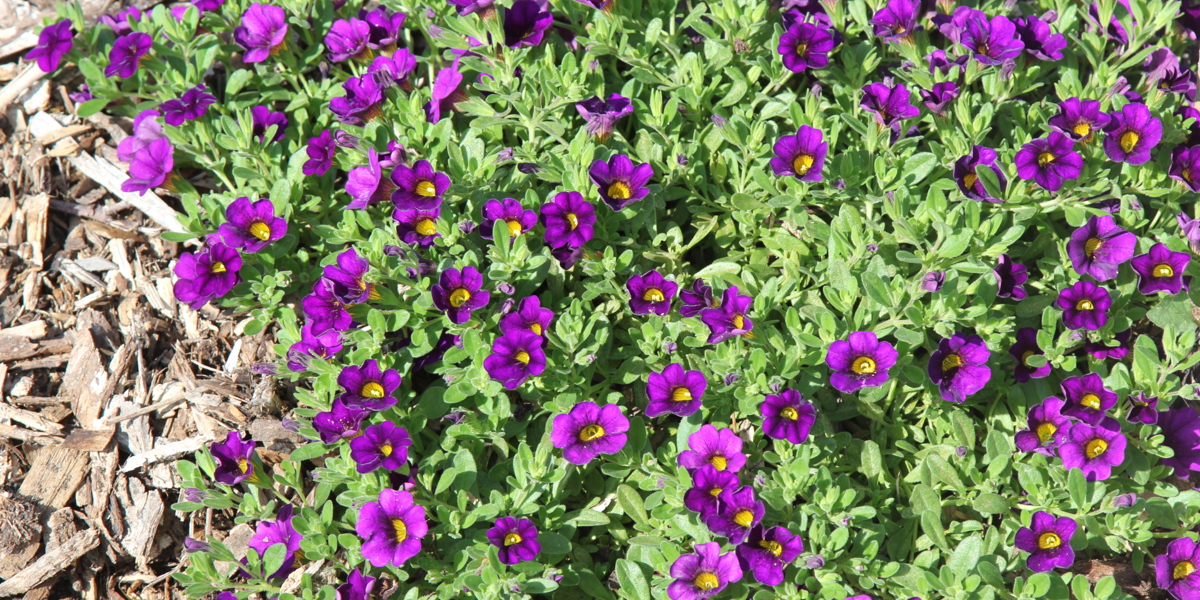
{"type": "Point", "coordinates": [1095, 448]}
{"type": "Point", "coordinates": [802, 164]}
{"type": "Point", "coordinates": [260, 230]}
{"type": "Point", "coordinates": [653, 295]}
{"type": "Point", "coordinates": [1092, 245]}
{"type": "Point", "coordinates": [427, 189]}
{"type": "Point", "coordinates": [373, 292]}
{"type": "Point", "coordinates": [1091, 401]}
{"type": "Point", "coordinates": [1085, 304]}
{"type": "Point", "coordinates": [400, 530]}
{"type": "Point", "coordinates": [619, 190]}
{"type": "Point", "coordinates": [681, 394]}
{"type": "Point", "coordinates": [573, 219]}
{"type": "Point", "coordinates": [969, 180]}
{"type": "Point", "coordinates": [801, 49]}
{"type": "Point", "coordinates": [1183, 569]}
{"type": "Point", "coordinates": [536, 328]}
{"type": "Point", "coordinates": [706, 581]}
{"type": "Point", "coordinates": [1186, 175]}
{"type": "Point", "coordinates": [243, 466]}
{"type": "Point", "coordinates": [718, 462]}
{"type": "Point", "coordinates": [738, 321]}
{"type": "Point", "coordinates": [1045, 158]}
{"type": "Point", "coordinates": [775, 548]}
{"type": "Point", "coordinates": [789, 413]}
{"type": "Point", "coordinates": [1129, 139]}
{"type": "Point", "coordinates": [1163, 271]}
{"type": "Point", "coordinates": [1046, 431]}
{"type": "Point", "coordinates": [591, 432]}
{"type": "Point", "coordinates": [1082, 129]}
{"type": "Point", "coordinates": [1025, 357]}
{"type": "Point", "coordinates": [863, 365]}
{"type": "Point", "coordinates": [951, 361]}
{"type": "Point", "coordinates": [715, 492]}
{"type": "Point", "coordinates": [522, 357]}
{"type": "Point", "coordinates": [1049, 540]}
{"type": "Point", "coordinates": [744, 518]}
{"type": "Point", "coordinates": [217, 267]}
{"type": "Point", "coordinates": [512, 539]}
{"type": "Point", "coordinates": [459, 297]}
{"type": "Point", "coordinates": [514, 228]}
{"type": "Point", "coordinates": [372, 390]}
{"type": "Point", "coordinates": [426, 227]}
{"type": "Point", "coordinates": [386, 449]}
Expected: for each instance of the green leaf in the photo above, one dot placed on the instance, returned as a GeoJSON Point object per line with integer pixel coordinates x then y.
{"type": "Point", "coordinates": [1145, 360]}
{"type": "Point", "coordinates": [237, 80]}
{"type": "Point", "coordinates": [918, 166]}
{"type": "Point", "coordinates": [718, 268]}
{"type": "Point", "coordinates": [590, 518]}
{"type": "Point", "coordinates": [309, 451]}
{"type": "Point", "coordinates": [990, 504]}
{"type": "Point", "coordinates": [872, 460]}
{"type": "Point", "coordinates": [553, 543]}
{"type": "Point", "coordinates": [1173, 314]}
{"type": "Point", "coordinates": [246, 174]}
{"type": "Point", "coordinates": [631, 502]}
{"type": "Point", "coordinates": [273, 558]}
{"type": "Point", "coordinates": [1161, 513]}
{"type": "Point", "coordinates": [632, 580]}
{"type": "Point", "coordinates": [1077, 488]}
{"type": "Point", "coordinates": [962, 562]}
{"type": "Point", "coordinates": [931, 525]}
{"type": "Point", "coordinates": [91, 107]}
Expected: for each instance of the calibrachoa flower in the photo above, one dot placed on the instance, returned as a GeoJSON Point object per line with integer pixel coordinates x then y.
{"type": "Point", "coordinates": [1099, 247]}
{"type": "Point", "coordinates": [802, 155]}
{"type": "Point", "coordinates": [324, 309]}
{"type": "Point", "coordinates": [146, 129]}
{"type": "Point", "coordinates": [896, 21]}
{"type": "Point", "coordinates": [1185, 167]}
{"type": "Point", "coordinates": [466, 7]}
{"type": "Point", "coordinates": [516, 540]}
{"type": "Point", "coordinates": [1079, 119]}
{"type": "Point", "coordinates": [54, 42]}
{"type": "Point", "coordinates": [1181, 433]}
{"type": "Point", "coordinates": [529, 316]}
{"type": "Point", "coordinates": [1048, 542]}
{"type": "Point", "coordinates": [1040, 42]}
{"type": "Point", "coordinates": [1025, 347]}
{"type": "Point", "coordinates": [321, 151]}
{"type": "Point", "coordinates": [417, 227]}
{"type": "Point", "coordinates": [383, 445]}
{"type": "Point", "coordinates": [192, 105]}
{"type": "Point", "coordinates": [1132, 134]}
{"type": "Point", "coordinates": [357, 587]}
{"type": "Point", "coordinates": [694, 299]}
{"type": "Point", "coordinates": [991, 42]}
{"type": "Point", "coordinates": [251, 226]}
{"type": "Point", "coordinates": [767, 551]}
{"type": "Point", "coordinates": [418, 187]}
{"type": "Point", "coordinates": [1176, 571]}
{"type": "Point", "coordinates": [721, 448]}
{"type": "Point", "coordinates": [360, 103]}
{"type": "Point", "coordinates": [1189, 228]}
{"type": "Point", "coordinates": [339, 422]}
{"type": "Point", "coordinates": [860, 361]}
{"type": "Point", "coordinates": [526, 23]}
{"type": "Point", "coordinates": [703, 574]}
{"type": "Point", "coordinates": [1161, 270]}
{"type": "Point", "coordinates": [620, 182]}
{"type": "Point", "coordinates": [939, 97]}
{"type": "Point", "coordinates": [516, 356]}
{"type": "Point", "coordinates": [588, 431]}
{"type": "Point", "coordinates": [787, 416]}
{"type": "Point", "coordinates": [601, 115]}
{"type": "Point", "coordinates": [385, 27]}
{"type": "Point", "coordinates": [1085, 306]}
{"type": "Point", "coordinates": [675, 391]}
{"type": "Point", "coordinates": [517, 218]}
{"type": "Point", "coordinates": [933, 281]}
{"type": "Point", "coordinates": [1102, 351]}
{"type": "Point", "coordinates": [1010, 278]}
{"type": "Point", "coordinates": [650, 293]}
{"type": "Point", "coordinates": [391, 528]}
{"type": "Point", "coordinates": [235, 459]}
{"type": "Point", "coordinates": [1142, 409]}
{"type": "Point", "coordinates": [263, 31]}
{"type": "Point", "coordinates": [459, 292]}
{"type": "Point", "coordinates": [1095, 450]}
{"type": "Point", "coordinates": [347, 39]}
{"type": "Point", "coordinates": [208, 274]}
{"type": "Point", "coordinates": [367, 185]}
{"type": "Point", "coordinates": [126, 53]}
{"type": "Point", "coordinates": [729, 319]}
{"type": "Point", "coordinates": [263, 118]}
{"type": "Point", "coordinates": [959, 366]}
{"type": "Point", "coordinates": [348, 278]}
{"type": "Point", "coordinates": [313, 345]}
{"type": "Point", "coordinates": [151, 167]}
{"type": "Point", "coordinates": [890, 105]}
{"type": "Point", "coordinates": [1048, 428]}
{"type": "Point", "coordinates": [1049, 161]}
{"type": "Point", "coordinates": [806, 46]}
{"type": "Point", "coordinates": [368, 386]}
{"type": "Point", "coordinates": [569, 220]}
{"type": "Point", "coordinates": [390, 70]}
{"type": "Point", "coordinates": [707, 484]}
{"type": "Point", "coordinates": [737, 512]}
{"type": "Point", "coordinates": [279, 531]}
{"type": "Point", "coordinates": [445, 93]}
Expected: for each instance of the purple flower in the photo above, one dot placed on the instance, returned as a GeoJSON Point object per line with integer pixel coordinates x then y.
{"type": "Point", "coordinates": [1085, 306]}
{"type": "Point", "coordinates": [368, 387]}
{"type": "Point", "coordinates": [151, 167]}
{"type": "Point", "coordinates": [466, 7]}
{"type": "Point", "coordinates": [1181, 433]}
{"type": "Point", "coordinates": [312, 345]}
{"type": "Point", "coordinates": [675, 391]}
{"type": "Point", "coordinates": [339, 423]}
{"type": "Point", "coordinates": [959, 366]}
{"type": "Point", "coordinates": [418, 187]}
{"type": "Point", "coordinates": [146, 129]}
{"type": "Point", "coordinates": [1039, 41]}
{"type": "Point", "coordinates": [1185, 168]}
{"type": "Point", "coordinates": [1079, 119]}
{"type": "Point", "coordinates": [54, 42]}
{"type": "Point", "coordinates": [620, 182]}
{"type": "Point", "coordinates": [806, 46]}
{"type": "Point", "coordinates": [1099, 247]}
{"type": "Point", "coordinates": [390, 70]}
{"type": "Point", "coordinates": [567, 256]}
{"type": "Point", "coordinates": [347, 39]}
{"type": "Point", "coordinates": [897, 21]}
{"type": "Point", "coordinates": [966, 175]}
{"type": "Point", "coordinates": [1049, 161]}
{"type": "Point", "coordinates": [1114, 30]}
{"type": "Point", "coordinates": [1176, 571]}
{"type": "Point", "coordinates": [1048, 428]}
{"type": "Point", "coordinates": [787, 416]}
{"type": "Point", "coordinates": [939, 97]}
{"type": "Point", "coordinates": [83, 95]}
{"type": "Point", "coordinates": [1189, 228]}
{"type": "Point", "coordinates": [933, 281]}
{"type": "Point", "coordinates": [529, 316]}
{"type": "Point", "coordinates": [1131, 134]}
{"type": "Point", "coordinates": [251, 226]}
{"type": "Point", "coordinates": [391, 528]}
{"type": "Point", "coordinates": [279, 531]}
{"type": "Point", "coordinates": [1142, 409]}
{"type": "Point", "coordinates": [1095, 450]}
{"type": "Point", "coordinates": [802, 155]}
{"type": "Point", "coordinates": [1102, 351]}
{"type": "Point", "coordinates": [417, 227]}
{"type": "Point", "coordinates": [119, 22]}
{"type": "Point", "coordinates": [264, 118]}
{"type": "Point", "coordinates": [126, 53]}
{"type": "Point", "coordinates": [262, 33]}
{"type": "Point", "coordinates": [191, 105]}
{"type": "Point", "coordinates": [991, 42]}
{"type": "Point", "coordinates": [721, 448]}
{"type": "Point", "coordinates": [517, 218]}
{"type": "Point", "coordinates": [459, 292]}
{"type": "Point", "coordinates": [516, 356]}
{"type": "Point", "coordinates": [360, 104]}
{"type": "Point", "coordinates": [445, 92]}
{"type": "Point", "coordinates": [1087, 399]}
{"type": "Point", "coordinates": [321, 151]}
{"type": "Point", "coordinates": [767, 551]}
{"type": "Point", "coordinates": [1048, 542]}
{"type": "Point", "coordinates": [324, 309]}
{"type": "Point", "coordinates": [1176, 80]}
{"type": "Point", "coordinates": [707, 485]}
{"type": "Point", "coordinates": [1161, 270]}
{"type": "Point", "coordinates": [347, 278]}
{"type": "Point", "coordinates": [703, 574]}
{"type": "Point", "coordinates": [737, 513]}
{"type": "Point", "coordinates": [383, 445]}
{"type": "Point", "coordinates": [601, 115]}
{"type": "Point", "coordinates": [650, 293]}
{"type": "Point", "coordinates": [890, 105]}
{"type": "Point", "coordinates": [367, 185]}
{"type": "Point", "coordinates": [385, 27]}
{"type": "Point", "coordinates": [191, 545]}
{"type": "Point", "coordinates": [696, 298]}
{"type": "Point", "coordinates": [569, 220]}
{"type": "Point", "coordinates": [589, 430]}
{"type": "Point", "coordinates": [206, 275]}
{"type": "Point", "coordinates": [357, 587]}
{"type": "Point", "coordinates": [235, 459]}
{"type": "Point", "coordinates": [940, 61]}
{"type": "Point", "coordinates": [526, 23]}
{"type": "Point", "coordinates": [1010, 278]}
{"type": "Point", "coordinates": [729, 319]}
{"type": "Point", "coordinates": [516, 540]}
{"type": "Point", "coordinates": [1025, 347]}
{"type": "Point", "coordinates": [860, 361]}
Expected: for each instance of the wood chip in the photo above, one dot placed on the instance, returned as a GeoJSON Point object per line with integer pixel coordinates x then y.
{"type": "Point", "coordinates": [31, 419]}
{"type": "Point", "coordinates": [18, 86]}
{"type": "Point", "coordinates": [144, 515]}
{"type": "Point", "coordinates": [54, 476]}
{"type": "Point", "coordinates": [89, 440]}
{"type": "Point", "coordinates": [51, 563]}
{"type": "Point", "coordinates": [33, 330]}
{"type": "Point", "coordinates": [85, 379]}
{"type": "Point", "coordinates": [165, 452]}
{"type": "Point", "coordinates": [15, 348]}
{"type": "Point", "coordinates": [65, 132]}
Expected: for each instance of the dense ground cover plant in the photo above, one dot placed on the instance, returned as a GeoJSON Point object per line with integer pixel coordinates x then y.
{"type": "Point", "coordinates": [667, 299]}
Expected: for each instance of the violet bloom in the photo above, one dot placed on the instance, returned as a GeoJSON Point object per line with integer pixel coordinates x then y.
{"type": "Point", "coordinates": [54, 42]}
{"type": "Point", "coordinates": [959, 367]}
{"type": "Point", "coordinates": [650, 293]}
{"type": "Point", "coordinates": [567, 256]}
{"type": "Point", "coordinates": [1048, 428]}
{"type": "Point", "coordinates": [1095, 450]}
{"type": "Point", "coordinates": [459, 292]}
{"type": "Point", "coordinates": [954, 26]}
{"type": "Point", "coordinates": [263, 32]}
{"type": "Point", "coordinates": [1131, 135]}
{"type": "Point", "coordinates": [1087, 399]}
{"type": "Point", "coordinates": [1025, 347]}
{"type": "Point", "coordinates": [517, 218]}
{"type": "Point", "coordinates": [418, 187]}
{"type": "Point", "coordinates": [588, 431]}
{"type": "Point", "coordinates": [860, 361]}
{"type": "Point", "coordinates": [339, 423]}
{"type": "Point", "coordinates": [940, 61]}
{"type": "Point", "coordinates": [707, 485]}
{"type": "Point", "coordinates": [767, 551]}
{"type": "Point", "coordinates": [264, 118]}
{"type": "Point", "coordinates": [151, 167]}
{"type": "Point", "coordinates": [146, 129]}
{"type": "Point", "coordinates": [696, 298]}
{"type": "Point", "coordinates": [1102, 351]}
{"type": "Point", "coordinates": [737, 513]}
{"type": "Point", "coordinates": [313, 345]}
{"type": "Point", "coordinates": [1049, 161]}
{"type": "Point", "coordinates": [1159, 63]}
{"type": "Point", "coordinates": [1040, 42]}
{"type": "Point", "coordinates": [385, 27]}
{"type": "Point", "coordinates": [1099, 247]}
{"type": "Point", "coordinates": [1142, 409]}
{"type": "Point", "coordinates": [806, 46]}
{"type": "Point", "coordinates": [802, 155]}
{"type": "Point", "coordinates": [391, 529]}
{"type": "Point", "coordinates": [417, 227]}
{"type": "Point", "coordinates": [279, 531]}
{"type": "Point", "coordinates": [445, 93]}
{"type": "Point", "coordinates": [620, 182]}
{"type": "Point", "coordinates": [357, 587]}
{"type": "Point", "coordinates": [1161, 270]}
{"type": "Point", "coordinates": [933, 281]}
{"type": "Point", "coordinates": [1079, 119]}
{"type": "Point", "coordinates": [1085, 306]}
{"type": "Point", "coordinates": [897, 20]}
{"type": "Point", "coordinates": [1176, 571]}
{"type": "Point", "coordinates": [383, 445]}
{"type": "Point", "coordinates": [251, 226]}
{"type": "Point", "coordinates": [206, 275]}
{"type": "Point", "coordinates": [192, 105]}
{"type": "Point", "coordinates": [1181, 433]}
{"type": "Point", "coordinates": [321, 151]}
{"type": "Point", "coordinates": [348, 278]}
{"type": "Point", "coordinates": [369, 387]}
{"type": "Point", "coordinates": [526, 23]}
{"type": "Point", "coordinates": [235, 459]}
{"type": "Point", "coordinates": [1189, 228]}
{"type": "Point", "coordinates": [324, 309]}
{"type": "Point", "coordinates": [1048, 542]}
{"type": "Point", "coordinates": [360, 104]}
{"type": "Point", "coordinates": [721, 448]}
{"type": "Point", "coordinates": [703, 574]}
{"type": "Point", "coordinates": [347, 39]}
{"type": "Point", "coordinates": [1185, 168]}
{"type": "Point", "coordinates": [890, 105]}
{"type": "Point", "coordinates": [939, 97]}
{"type": "Point", "coordinates": [119, 22]}
{"type": "Point", "coordinates": [127, 53]}
{"type": "Point", "coordinates": [602, 115]}
{"type": "Point", "coordinates": [729, 319]}
{"type": "Point", "coordinates": [787, 416]}
{"type": "Point", "coordinates": [674, 391]}
{"type": "Point", "coordinates": [367, 185]}
{"type": "Point", "coordinates": [516, 540]}
{"type": "Point", "coordinates": [529, 316]}
{"type": "Point", "coordinates": [569, 220]}
{"type": "Point", "coordinates": [966, 175]}
{"type": "Point", "coordinates": [83, 95]}
{"type": "Point", "coordinates": [992, 42]}
{"type": "Point", "coordinates": [466, 7]}
{"type": "Point", "coordinates": [1010, 278]}
{"type": "Point", "coordinates": [515, 357]}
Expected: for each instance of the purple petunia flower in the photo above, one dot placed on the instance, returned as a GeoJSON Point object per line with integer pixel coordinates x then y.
{"type": "Point", "coordinates": [650, 293]}
{"type": "Point", "coordinates": [321, 151]}
{"type": "Point", "coordinates": [417, 227]}
{"type": "Point", "coordinates": [150, 167]}
{"type": "Point", "coordinates": [806, 46]}
{"type": "Point", "coordinates": [324, 309]}
{"type": "Point", "coordinates": [954, 25]}
{"type": "Point", "coordinates": [1181, 433]}
{"type": "Point", "coordinates": [516, 356]}
{"type": "Point", "coordinates": [787, 416]}
{"type": "Point", "coordinates": [991, 42]}
{"type": "Point", "coordinates": [729, 319]}
{"type": "Point", "coordinates": [933, 281]}
{"type": "Point", "coordinates": [529, 316]}
{"type": "Point", "coordinates": [367, 185]}
{"type": "Point", "coordinates": [459, 292]}
{"type": "Point", "coordinates": [1085, 306]}
{"type": "Point", "coordinates": [357, 587]}
{"type": "Point", "coordinates": [1048, 542]}
{"type": "Point", "coordinates": [939, 97]}
{"type": "Point", "coordinates": [313, 345]}
{"type": "Point", "coordinates": [206, 275]}
{"type": "Point", "coordinates": [601, 115]}
{"type": "Point", "coordinates": [890, 105]}
{"type": "Point", "coordinates": [1010, 278]}
{"type": "Point", "coordinates": [525, 23]}
{"type": "Point", "coordinates": [1185, 168]}
{"type": "Point", "coordinates": [1049, 161]}
{"type": "Point", "coordinates": [383, 445]}
{"type": "Point", "coordinates": [967, 177]}
{"type": "Point", "coordinates": [569, 220]}
{"type": "Point", "coordinates": [418, 187]}
{"type": "Point", "coordinates": [348, 278]}
{"type": "Point", "coordinates": [119, 22]}
{"type": "Point", "coordinates": [1048, 428]}
{"type": "Point", "coordinates": [1026, 346]}
{"type": "Point", "coordinates": [737, 513]}
{"type": "Point", "coordinates": [897, 20]}
{"type": "Point", "coordinates": [445, 93]}
{"type": "Point", "coordinates": [767, 551]}
{"type": "Point", "coordinates": [54, 42]}
{"type": "Point", "coordinates": [959, 366]}
{"type": "Point", "coordinates": [1142, 409]}
{"type": "Point", "coordinates": [1079, 119]}
{"type": "Point", "coordinates": [675, 391]}
{"type": "Point", "coordinates": [696, 298]}
{"type": "Point", "coordinates": [360, 104]}
{"type": "Point", "coordinates": [385, 27]}
{"type": "Point", "coordinates": [264, 118]}
{"type": "Point", "coordinates": [703, 574]}
{"type": "Point", "coordinates": [940, 61]}
{"type": "Point", "coordinates": [517, 218]}
{"type": "Point", "coordinates": [391, 528]}
{"type": "Point", "coordinates": [1099, 247]}
{"type": "Point", "coordinates": [235, 459]}
{"type": "Point", "coordinates": [802, 155]}
{"type": "Point", "coordinates": [339, 423]}
{"type": "Point", "coordinates": [1040, 42]}
{"type": "Point", "coordinates": [262, 33]}
{"type": "Point", "coordinates": [860, 361]}
{"type": "Point", "coordinates": [127, 53]}
{"type": "Point", "coordinates": [368, 387]}
{"type": "Point", "coordinates": [146, 129]}
{"type": "Point", "coordinates": [516, 540]}
{"type": "Point", "coordinates": [1161, 270]}
{"type": "Point", "coordinates": [466, 7]}
{"type": "Point", "coordinates": [1087, 399]}
{"type": "Point", "coordinates": [1132, 134]}
{"type": "Point", "coordinates": [721, 448]}
{"type": "Point", "coordinates": [279, 531]}
{"type": "Point", "coordinates": [83, 95]}
{"type": "Point", "coordinates": [588, 431]}
{"type": "Point", "coordinates": [192, 105]}
{"type": "Point", "coordinates": [1095, 450]}
{"type": "Point", "coordinates": [390, 70]}
{"type": "Point", "coordinates": [347, 39]}
{"type": "Point", "coordinates": [251, 226]}
{"type": "Point", "coordinates": [707, 485]}
{"type": "Point", "coordinates": [1176, 571]}
{"type": "Point", "coordinates": [1189, 228]}
{"type": "Point", "coordinates": [1102, 351]}
{"type": "Point", "coordinates": [620, 182]}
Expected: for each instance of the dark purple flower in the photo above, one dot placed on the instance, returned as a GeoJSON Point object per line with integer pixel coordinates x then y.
{"type": "Point", "coordinates": [1049, 161]}
{"type": "Point", "coordinates": [1131, 134]}
{"type": "Point", "coordinates": [391, 528]}
{"type": "Point", "coordinates": [390, 70]}
{"type": "Point", "coordinates": [1040, 42]}
{"type": "Point", "coordinates": [1176, 570]}
{"type": "Point", "coordinates": [1079, 119]}
{"type": "Point", "coordinates": [939, 97]}
{"type": "Point", "coordinates": [940, 61]}
{"type": "Point", "coordinates": [279, 531]}
{"type": "Point", "coordinates": [383, 445]}
{"type": "Point", "coordinates": [1025, 347]}
{"type": "Point", "coordinates": [897, 20]}
{"type": "Point", "coordinates": [1125, 500]}
{"type": "Point", "coordinates": [321, 151]}
{"type": "Point", "coordinates": [525, 24]}
{"type": "Point", "coordinates": [386, 27]}
{"type": "Point", "coordinates": [1161, 270]}
{"type": "Point", "coordinates": [445, 93]}
{"type": "Point", "coordinates": [1048, 542]}
{"type": "Point", "coordinates": [119, 22]}
{"type": "Point", "coordinates": [959, 366]}
{"type": "Point", "coordinates": [729, 319]}
{"type": "Point", "coordinates": [703, 574]}
{"type": "Point", "coordinates": [313, 345]}
{"type": "Point", "coordinates": [1085, 306]}
{"type": "Point", "coordinates": [459, 292]}
{"type": "Point", "coordinates": [1087, 399]}
{"type": "Point", "coordinates": [1181, 433]}
{"type": "Point", "coordinates": [1176, 81]}
{"type": "Point", "coordinates": [339, 422]}
{"type": "Point", "coordinates": [324, 309]}
{"type": "Point", "coordinates": [191, 546]}
{"type": "Point", "coordinates": [347, 39]}
{"type": "Point", "coordinates": [151, 167]}
{"type": "Point", "coordinates": [466, 7]}
{"type": "Point", "coordinates": [517, 218]}
{"type": "Point", "coordinates": [367, 185]}
{"type": "Point", "coordinates": [368, 387]}
{"type": "Point", "coordinates": [696, 298]}
{"type": "Point", "coordinates": [991, 42]}
{"type": "Point", "coordinates": [1185, 168]}
{"type": "Point", "coordinates": [516, 540]}
{"type": "Point", "coordinates": [787, 416]}
{"type": "Point", "coordinates": [1158, 64]}
{"type": "Point", "coordinates": [737, 513]}
{"type": "Point", "coordinates": [83, 95]}
{"type": "Point", "coordinates": [675, 391]}
{"type": "Point", "coordinates": [529, 316]}
{"type": "Point", "coordinates": [890, 105]}
{"type": "Point", "coordinates": [516, 356]}
{"type": "Point", "coordinates": [1095, 450]}
{"type": "Point", "coordinates": [859, 361]}
{"type": "Point", "coordinates": [251, 226]}
{"type": "Point", "coordinates": [361, 102]}
{"type": "Point", "coordinates": [569, 220]}
{"type": "Point", "coordinates": [1114, 30]}
{"type": "Point", "coordinates": [802, 155]}
{"type": "Point", "coordinates": [1099, 247]}
{"type": "Point", "coordinates": [767, 551]}
{"type": "Point", "coordinates": [126, 54]}
{"type": "Point", "coordinates": [1048, 428]}
{"type": "Point", "coordinates": [933, 281]}
{"type": "Point", "coordinates": [54, 42]}
{"type": "Point", "coordinates": [721, 448]}
{"type": "Point", "coordinates": [198, 495]}
{"type": "Point", "coordinates": [191, 105]}
{"type": "Point", "coordinates": [207, 275]}
{"type": "Point", "coordinates": [567, 256]}
{"type": "Point", "coordinates": [235, 459]}
{"type": "Point", "coordinates": [1102, 351]}
{"type": "Point", "coordinates": [620, 182]}
{"type": "Point", "coordinates": [347, 277]}
{"type": "Point", "coordinates": [264, 118]}
{"type": "Point", "coordinates": [589, 430]}
{"type": "Point", "coordinates": [1010, 278]}
{"type": "Point", "coordinates": [650, 293]}
{"type": "Point", "coordinates": [262, 33]}
{"type": "Point", "coordinates": [357, 587]}
{"type": "Point", "coordinates": [146, 129]}
{"type": "Point", "coordinates": [1189, 228]}
{"type": "Point", "coordinates": [806, 46]}
{"type": "Point", "coordinates": [418, 187]}
{"type": "Point", "coordinates": [966, 175]}
{"type": "Point", "coordinates": [707, 484]}
{"type": "Point", "coordinates": [1142, 409]}
{"type": "Point", "coordinates": [601, 115]}
{"type": "Point", "coordinates": [417, 227]}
